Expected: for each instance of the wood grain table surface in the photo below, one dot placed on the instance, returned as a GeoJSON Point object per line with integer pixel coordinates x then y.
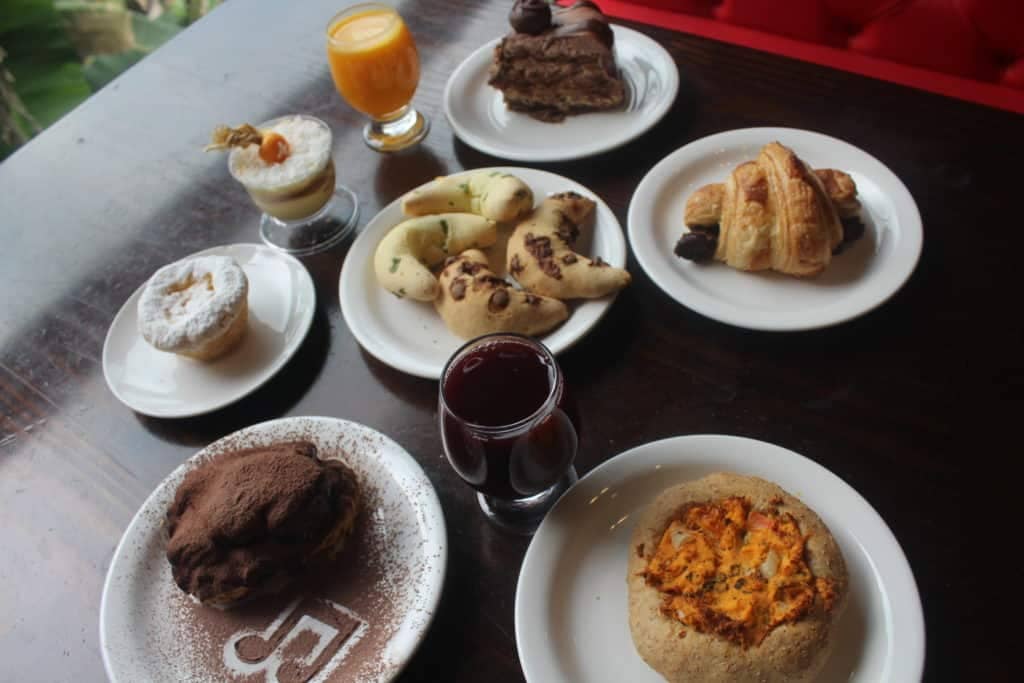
{"type": "Point", "coordinates": [913, 404]}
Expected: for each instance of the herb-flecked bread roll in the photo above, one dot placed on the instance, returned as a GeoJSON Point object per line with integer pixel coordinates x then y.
{"type": "Point", "coordinates": [404, 257]}
{"type": "Point", "coordinates": [495, 195]}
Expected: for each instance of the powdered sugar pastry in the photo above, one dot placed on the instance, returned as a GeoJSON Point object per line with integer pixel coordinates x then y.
{"type": "Point", "coordinates": [191, 301]}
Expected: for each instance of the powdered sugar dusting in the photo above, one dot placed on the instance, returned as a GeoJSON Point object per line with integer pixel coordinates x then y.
{"type": "Point", "coordinates": [191, 301]}
{"type": "Point", "coordinates": [309, 140]}
{"type": "Point", "coordinates": [358, 619]}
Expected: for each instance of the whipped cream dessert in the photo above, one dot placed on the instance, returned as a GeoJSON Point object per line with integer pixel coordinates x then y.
{"type": "Point", "coordinates": [297, 186]}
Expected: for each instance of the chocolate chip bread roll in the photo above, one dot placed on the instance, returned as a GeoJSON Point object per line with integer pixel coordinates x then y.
{"type": "Point", "coordinates": [473, 301]}
{"type": "Point", "coordinates": [541, 256]}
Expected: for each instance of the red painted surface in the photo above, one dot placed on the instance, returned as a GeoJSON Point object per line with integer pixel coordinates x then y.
{"type": "Point", "coordinates": [970, 49]}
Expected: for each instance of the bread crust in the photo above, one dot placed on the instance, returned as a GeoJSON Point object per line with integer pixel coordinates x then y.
{"type": "Point", "coordinates": [790, 652]}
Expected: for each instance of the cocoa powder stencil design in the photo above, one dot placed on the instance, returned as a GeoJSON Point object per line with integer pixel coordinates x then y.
{"type": "Point", "coordinates": [286, 653]}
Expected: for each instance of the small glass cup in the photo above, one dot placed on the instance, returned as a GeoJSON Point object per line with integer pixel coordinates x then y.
{"type": "Point", "coordinates": [376, 69]}
{"type": "Point", "coordinates": [307, 213]}
{"type": "Point", "coordinates": [509, 427]}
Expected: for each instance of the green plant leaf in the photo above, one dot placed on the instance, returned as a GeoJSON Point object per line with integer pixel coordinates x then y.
{"type": "Point", "coordinates": [59, 51]}
{"type": "Point", "coordinates": [18, 14]}
{"type": "Point", "coordinates": [102, 69]}
{"type": "Point", "coordinates": [152, 33]}
{"type": "Point", "coordinates": [56, 90]}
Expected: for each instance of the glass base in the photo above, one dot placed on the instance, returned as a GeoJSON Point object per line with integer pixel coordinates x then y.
{"type": "Point", "coordinates": [405, 129]}
{"type": "Point", "coordinates": [319, 232]}
{"type": "Point", "coordinates": [524, 515]}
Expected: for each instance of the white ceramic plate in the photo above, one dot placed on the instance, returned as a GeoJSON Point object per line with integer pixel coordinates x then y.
{"type": "Point", "coordinates": [281, 303]}
{"type": "Point", "coordinates": [388, 578]}
{"type": "Point", "coordinates": [409, 335]}
{"type": "Point", "coordinates": [571, 608]}
{"type": "Point", "coordinates": [864, 276]}
{"type": "Point", "coordinates": [478, 115]}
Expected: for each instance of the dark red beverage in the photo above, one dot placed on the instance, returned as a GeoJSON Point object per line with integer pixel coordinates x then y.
{"type": "Point", "coordinates": [506, 422]}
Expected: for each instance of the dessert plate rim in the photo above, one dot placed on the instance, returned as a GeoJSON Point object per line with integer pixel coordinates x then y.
{"type": "Point", "coordinates": [626, 126]}
{"type": "Point", "coordinates": [699, 286]}
{"type": "Point", "coordinates": [362, 298]}
{"type": "Point", "coordinates": [404, 474]}
{"type": "Point", "coordinates": [302, 296]}
{"type": "Point", "coordinates": [598, 515]}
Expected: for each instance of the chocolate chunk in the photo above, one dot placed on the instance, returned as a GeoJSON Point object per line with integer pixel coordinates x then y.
{"type": "Point", "coordinates": [540, 249]}
{"type": "Point", "coordinates": [567, 231]}
{"type": "Point", "coordinates": [599, 263]}
{"type": "Point", "coordinates": [489, 281]}
{"type": "Point", "coordinates": [533, 299]}
{"type": "Point", "coordinates": [709, 230]}
{"type": "Point", "coordinates": [498, 301]}
{"type": "Point", "coordinates": [470, 267]}
{"type": "Point", "coordinates": [569, 259]}
{"type": "Point", "coordinates": [530, 16]}
{"type": "Point", "coordinates": [458, 288]}
{"type": "Point", "coordinates": [696, 246]}
{"type": "Point", "coordinates": [853, 230]}
{"type": "Point", "coordinates": [515, 266]}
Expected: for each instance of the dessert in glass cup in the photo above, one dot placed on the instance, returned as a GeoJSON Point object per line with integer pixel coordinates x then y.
{"type": "Point", "coordinates": [286, 167]}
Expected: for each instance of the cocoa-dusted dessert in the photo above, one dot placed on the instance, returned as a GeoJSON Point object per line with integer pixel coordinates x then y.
{"type": "Point", "coordinates": [557, 61]}
{"type": "Point", "coordinates": [247, 522]}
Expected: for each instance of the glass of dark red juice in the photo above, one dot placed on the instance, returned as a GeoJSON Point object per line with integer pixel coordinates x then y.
{"type": "Point", "coordinates": [509, 427]}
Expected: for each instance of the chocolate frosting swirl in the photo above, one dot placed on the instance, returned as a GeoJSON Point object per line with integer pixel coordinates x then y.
{"type": "Point", "coordinates": [530, 16]}
{"type": "Point", "coordinates": [583, 16]}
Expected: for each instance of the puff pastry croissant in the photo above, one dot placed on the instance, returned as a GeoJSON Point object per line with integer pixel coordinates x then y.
{"type": "Point", "coordinates": [771, 213]}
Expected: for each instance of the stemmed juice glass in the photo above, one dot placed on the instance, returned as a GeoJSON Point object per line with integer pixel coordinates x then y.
{"type": "Point", "coordinates": [376, 68]}
{"type": "Point", "coordinates": [509, 427]}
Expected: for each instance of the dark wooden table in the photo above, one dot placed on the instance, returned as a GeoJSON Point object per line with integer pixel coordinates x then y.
{"type": "Point", "coordinates": [912, 404]}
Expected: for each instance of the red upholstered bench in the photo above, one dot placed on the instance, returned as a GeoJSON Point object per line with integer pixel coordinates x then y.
{"type": "Point", "coordinates": [971, 49]}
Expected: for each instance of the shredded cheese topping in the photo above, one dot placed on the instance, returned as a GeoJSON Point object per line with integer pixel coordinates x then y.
{"type": "Point", "coordinates": [727, 569]}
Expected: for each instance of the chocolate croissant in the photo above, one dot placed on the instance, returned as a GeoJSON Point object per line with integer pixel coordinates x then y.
{"type": "Point", "coordinates": [773, 213]}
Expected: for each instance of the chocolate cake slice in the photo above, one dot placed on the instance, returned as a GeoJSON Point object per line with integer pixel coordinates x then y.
{"type": "Point", "coordinates": [557, 61]}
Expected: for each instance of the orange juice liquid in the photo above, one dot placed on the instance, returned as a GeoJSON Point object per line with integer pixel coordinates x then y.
{"type": "Point", "coordinates": [373, 61]}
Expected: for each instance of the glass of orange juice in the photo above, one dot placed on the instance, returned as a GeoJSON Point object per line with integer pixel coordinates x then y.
{"type": "Point", "coordinates": [376, 68]}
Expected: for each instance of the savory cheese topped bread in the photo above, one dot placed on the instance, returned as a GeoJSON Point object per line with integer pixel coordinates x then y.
{"type": "Point", "coordinates": [731, 578]}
